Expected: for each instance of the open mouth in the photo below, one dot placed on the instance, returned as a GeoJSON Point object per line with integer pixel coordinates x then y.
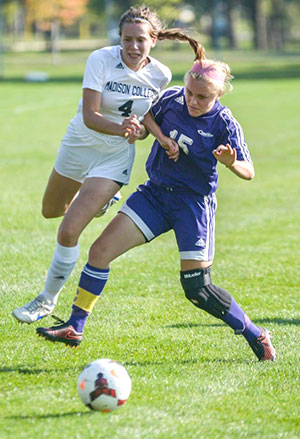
{"type": "Point", "coordinates": [133, 55]}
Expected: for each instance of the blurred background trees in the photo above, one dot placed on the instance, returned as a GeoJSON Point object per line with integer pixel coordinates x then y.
{"type": "Point", "coordinates": [258, 24]}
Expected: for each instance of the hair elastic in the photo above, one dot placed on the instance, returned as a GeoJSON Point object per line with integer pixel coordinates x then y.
{"type": "Point", "coordinates": [141, 19]}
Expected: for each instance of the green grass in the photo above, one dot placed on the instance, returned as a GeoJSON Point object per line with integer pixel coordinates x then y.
{"type": "Point", "coordinates": [192, 377]}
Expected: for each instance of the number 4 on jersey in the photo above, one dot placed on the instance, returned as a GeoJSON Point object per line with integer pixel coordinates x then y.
{"type": "Point", "coordinates": [126, 108]}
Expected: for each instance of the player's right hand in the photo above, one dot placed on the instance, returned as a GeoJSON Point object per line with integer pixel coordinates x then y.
{"type": "Point", "coordinates": [171, 147]}
{"type": "Point", "coordinates": [130, 126]}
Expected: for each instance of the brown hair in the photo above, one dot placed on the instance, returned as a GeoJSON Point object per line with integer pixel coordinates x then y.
{"type": "Point", "coordinates": [157, 30]}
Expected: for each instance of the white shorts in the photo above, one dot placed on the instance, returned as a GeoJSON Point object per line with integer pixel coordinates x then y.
{"type": "Point", "coordinates": [81, 162]}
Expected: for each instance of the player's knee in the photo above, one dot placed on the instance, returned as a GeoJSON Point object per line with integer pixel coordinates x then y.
{"type": "Point", "coordinates": [99, 254]}
{"type": "Point", "coordinates": [202, 293]}
{"type": "Point", "coordinates": [49, 212]}
{"type": "Point", "coordinates": [68, 234]}
{"type": "Point", "coordinates": [46, 212]}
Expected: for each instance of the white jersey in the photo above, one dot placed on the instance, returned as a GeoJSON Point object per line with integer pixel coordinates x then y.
{"type": "Point", "coordinates": [124, 92]}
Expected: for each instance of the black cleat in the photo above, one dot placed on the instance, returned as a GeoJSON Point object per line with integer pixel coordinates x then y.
{"type": "Point", "coordinates": [262, 346]}
{"type": "Point", "coordinates": [64, 333]}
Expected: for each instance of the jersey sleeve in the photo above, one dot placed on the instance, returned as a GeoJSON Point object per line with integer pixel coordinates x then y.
{"type": "Point", "coordinates": [234, 135]}
{"type": "Point", "coordinates": [163, 99]}
{"type": "Point", "coordinates": [94, 72]}
{"type": "Point", "coordinates": [167, 78]}
{"type": "Point", "coordinates": [157, 108]}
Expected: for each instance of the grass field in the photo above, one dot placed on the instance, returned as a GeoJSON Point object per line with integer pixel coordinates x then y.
{"type": "Point", "coordinates": [192, 377]}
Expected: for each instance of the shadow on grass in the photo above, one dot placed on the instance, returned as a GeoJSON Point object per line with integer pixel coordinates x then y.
{"type": "Point", "coordinates": [51, 415]}
{"type": "Point", "coordinates": [200, 360]}
{"type": "Point", "coordinates": [55, 79]}
{"type": "Point", "coordinates": [259, 72]}
{"type": "Point", "coordinates": [29, 371]}
{"type": "Point", "coordinates": [256, 72]}
{"type": "Point", "coordinates": [194, 325]}
{"type": "Point", "coordinates": [278, 321]}
{"type": "Point", "coordinates": [273, 320]}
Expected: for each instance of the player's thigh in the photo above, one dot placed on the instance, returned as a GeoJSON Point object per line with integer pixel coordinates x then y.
{"type": "Point", "coordinates": [192, 264]}
{"type": "Point", "coordinates": [194, 227]}
{"type": "Point", "coordinates": [93, 195]}
{"type": "Point", "coordinates": [58, 195]}
{"type": "Point", "coordinates": [146, 209]}
{"type": "Point", "coordinates": [119, 236]}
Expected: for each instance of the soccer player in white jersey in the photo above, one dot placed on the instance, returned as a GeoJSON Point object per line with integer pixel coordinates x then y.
{"type": "Point", "coordinates": [96, 156]}
{"type": "Point", "coordinates": [179, 196]}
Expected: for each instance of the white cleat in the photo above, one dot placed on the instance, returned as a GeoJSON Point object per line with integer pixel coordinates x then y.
{"type": "Point", "coordinates": [108, 205]}
{"type": "Point", "coordinates": [34, 310]}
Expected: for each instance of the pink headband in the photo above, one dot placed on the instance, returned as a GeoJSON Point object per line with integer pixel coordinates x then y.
{"type": "Point", "coordinates": [208, 70]}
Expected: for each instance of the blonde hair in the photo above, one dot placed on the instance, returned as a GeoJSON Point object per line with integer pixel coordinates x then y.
{"type": "Point", "coordinates": [220, 67]}
{"type": "Point", "coordinates": [143, 14]}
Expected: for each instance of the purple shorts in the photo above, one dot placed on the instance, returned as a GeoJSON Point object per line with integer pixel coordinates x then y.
{"type": "Point", "coordinates": [156, 210]}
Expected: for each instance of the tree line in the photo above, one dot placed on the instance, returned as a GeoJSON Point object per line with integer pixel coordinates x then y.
{"type": "Point", "coordinates": [265, 24]}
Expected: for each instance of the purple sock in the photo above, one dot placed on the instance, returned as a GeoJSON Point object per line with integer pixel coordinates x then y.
{"type": "Point", "coordinates": [251, 331]}
{"type": "Point", "coordinates": [78, 318]}
{"type": "Point", "coordinates": [240, 322]}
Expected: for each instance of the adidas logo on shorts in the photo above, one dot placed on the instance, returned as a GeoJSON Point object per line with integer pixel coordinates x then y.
{"type": "Point", "coordinates": [200, 243]}
{"type": "Point", "coordinates": [119, 66]}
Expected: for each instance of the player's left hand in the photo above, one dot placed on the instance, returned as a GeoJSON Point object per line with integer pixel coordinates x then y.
{"type": "Point", "coordinates": [225, 154]}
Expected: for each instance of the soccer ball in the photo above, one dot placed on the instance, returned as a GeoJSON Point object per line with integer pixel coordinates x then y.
{"type": "Point", "coordinates": [104, 385]}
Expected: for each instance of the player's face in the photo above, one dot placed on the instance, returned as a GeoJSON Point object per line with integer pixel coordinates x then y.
{"type": "Point", "coordinates": [136, 44]}
{"type": "Point", "coordinates": [199, 95]}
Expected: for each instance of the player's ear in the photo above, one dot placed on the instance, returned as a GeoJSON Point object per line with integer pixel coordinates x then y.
{"type": "Point", "coordinates": [154, 41]}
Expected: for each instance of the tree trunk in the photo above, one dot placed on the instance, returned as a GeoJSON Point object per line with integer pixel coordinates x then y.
{"type": "Point", "coordinates": [216, 28]}
{"type": "Point", "coordinates": [277, 18]}
{"type": "Point", "coordinates": [230, 12]}
{"type": "Point", "coordinates": [54, 36]}
{"type": "Point", "coordinates": [260, 25]}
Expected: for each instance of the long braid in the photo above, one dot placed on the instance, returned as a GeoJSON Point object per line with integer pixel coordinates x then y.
{"type": "Point", "coordinates": [177, 34]}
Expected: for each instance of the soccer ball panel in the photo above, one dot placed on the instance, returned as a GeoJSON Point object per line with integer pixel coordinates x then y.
{"type": "Point", "coordinates": [104, 385]}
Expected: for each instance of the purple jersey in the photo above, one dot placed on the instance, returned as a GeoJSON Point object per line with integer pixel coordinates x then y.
{"type": "Point", "coordinates": [197, 137]}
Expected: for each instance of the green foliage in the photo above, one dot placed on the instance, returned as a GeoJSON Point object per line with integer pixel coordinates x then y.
{"type": "Point", "coordinates": [167, 11]}
{"type": "Point", "coordinates": [192, 377]}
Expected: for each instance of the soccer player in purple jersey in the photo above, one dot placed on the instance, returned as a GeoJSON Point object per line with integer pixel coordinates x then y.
{"type": "Point", "coordinates": [193, 133]}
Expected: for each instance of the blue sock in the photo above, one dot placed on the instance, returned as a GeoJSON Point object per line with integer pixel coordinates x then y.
{"type": "Point", "coordinates": [240, 322]}
{"type": "Point", "coordinates": [91, 285]}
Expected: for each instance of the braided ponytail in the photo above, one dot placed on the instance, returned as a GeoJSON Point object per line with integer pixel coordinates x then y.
{"type": "Point", "coordinates": [176, 34]}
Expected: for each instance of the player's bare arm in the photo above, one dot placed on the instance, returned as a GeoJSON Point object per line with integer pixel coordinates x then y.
{"type": "Point", "coordinates": [226, 155]}
{"type": "Point", "coordinates": [94, 120]}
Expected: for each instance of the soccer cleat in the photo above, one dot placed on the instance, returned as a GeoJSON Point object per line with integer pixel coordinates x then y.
{"type": "Point", "coordinates": [262, 346]}
{"type": "Point", "coordinates": [64, 333]}
{"type": "Point", "coordinates": [108, 205]}
{"type": "Point", "coordinates": [34, 310]}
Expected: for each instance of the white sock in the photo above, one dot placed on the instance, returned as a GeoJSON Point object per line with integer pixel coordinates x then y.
{"type": "Point", "coordinates": [62, 264]}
